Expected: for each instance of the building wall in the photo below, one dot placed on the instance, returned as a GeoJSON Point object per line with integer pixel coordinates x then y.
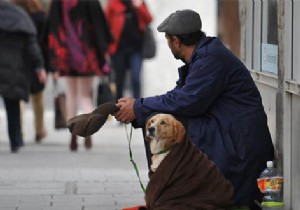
{"type": "Point", "coordinates": [271, 50]}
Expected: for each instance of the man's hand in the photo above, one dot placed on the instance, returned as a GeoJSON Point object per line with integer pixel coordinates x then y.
{"type": "Point", "coordinates": [126, 112]}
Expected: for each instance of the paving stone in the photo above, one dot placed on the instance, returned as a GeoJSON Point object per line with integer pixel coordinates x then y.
{"type": "Point", "coordinates": [35, 198]}
{"type": "Point", "coordinates": [47, 176]}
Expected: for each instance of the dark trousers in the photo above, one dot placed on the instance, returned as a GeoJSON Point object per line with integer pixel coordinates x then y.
{"type": "Point", "coordinates": [121, 62]}
{"type": "Point", "coordinates": [14, 122]}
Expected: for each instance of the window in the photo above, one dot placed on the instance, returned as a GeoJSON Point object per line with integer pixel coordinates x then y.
{"type": "Point", "coordinates": [296, 42]}
{"type": "Point", "coordinates": [269, 38]}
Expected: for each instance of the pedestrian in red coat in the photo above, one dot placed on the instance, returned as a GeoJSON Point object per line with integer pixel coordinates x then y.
{"type": "Point", "coordinates": [127, 20]}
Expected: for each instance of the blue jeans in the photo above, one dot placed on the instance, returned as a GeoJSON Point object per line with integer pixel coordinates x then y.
{"type": "Point", "coordinates": [123, 60]}
{"type": "Point", "coordinates": [13, 122]}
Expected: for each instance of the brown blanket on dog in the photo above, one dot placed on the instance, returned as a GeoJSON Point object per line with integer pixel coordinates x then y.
{"type": "Point", "coordinates": [185, 180]}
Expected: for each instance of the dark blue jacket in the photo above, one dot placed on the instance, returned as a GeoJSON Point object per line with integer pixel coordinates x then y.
{"type": "Point", "coordinates": [225, 117]}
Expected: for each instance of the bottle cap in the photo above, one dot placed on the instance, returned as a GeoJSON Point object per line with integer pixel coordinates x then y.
{"type": "Point", "coordinates": [269, 164]}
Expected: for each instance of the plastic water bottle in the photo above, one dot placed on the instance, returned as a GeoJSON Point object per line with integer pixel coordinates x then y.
{"type": "Point", "coordinates": [270, 184]}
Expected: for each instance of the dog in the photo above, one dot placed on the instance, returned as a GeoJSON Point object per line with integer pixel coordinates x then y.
{"type": "Point", "coordinates": [181, 176]}
{"type": "Point", "coordinates": [164, 132]}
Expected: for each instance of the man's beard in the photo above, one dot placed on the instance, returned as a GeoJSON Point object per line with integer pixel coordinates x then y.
{"type": "Point", "coordinates": [177, 57]}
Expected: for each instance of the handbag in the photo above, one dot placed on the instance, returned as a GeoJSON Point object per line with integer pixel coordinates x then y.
{"type": "Point", "coordinates": [60, 120]}
{"type": "Point", "coordinates": [104, 92]}
{"type": "Point", "coordinates": [149, 44]}
{"type": "Point", "coordinates": [60, 117]}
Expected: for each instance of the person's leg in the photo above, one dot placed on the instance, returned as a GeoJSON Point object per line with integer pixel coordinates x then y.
{"type": "Point", "coordinates": [71, 96]}
{"type": "Point", "coordinates": [247, 193]}
{"type": "Point", "coordinates": [37, 100]}
{"type": "Point", "coordinates": [72, 105]}
{"type": "Point", "coordinates": [85, 93]}
{"type": "Point", "coordinates": [85, 89]}
{"type": "Point", "coordinates": [119, 68]}
{"type": "Point", "coordinates": [135, 68]}
{"type": "Point", "coordinates": [14, 123]}
{"type": "Point", "coordinates": [22, 113]}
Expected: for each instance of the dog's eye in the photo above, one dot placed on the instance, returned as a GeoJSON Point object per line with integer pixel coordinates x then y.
{"type": "Point", "coordinates": [163, 122]}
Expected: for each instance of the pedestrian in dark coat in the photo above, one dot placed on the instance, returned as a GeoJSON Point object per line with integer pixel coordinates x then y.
{"type": "Point", "coordinates": [39, 17]}
{"type": "Point", "coordinates": [219, 100]}
{"type": "Point", "coordinates": [18, 49]}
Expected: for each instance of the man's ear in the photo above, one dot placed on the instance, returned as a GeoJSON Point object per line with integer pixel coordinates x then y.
{"type": "Point", "coordinates": [176, 41]}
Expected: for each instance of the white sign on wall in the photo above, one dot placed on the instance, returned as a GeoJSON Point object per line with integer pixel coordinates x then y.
{"type": "Point", "coordinates": [269, 58]}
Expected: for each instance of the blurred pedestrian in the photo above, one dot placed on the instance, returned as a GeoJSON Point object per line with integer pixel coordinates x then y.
{"type": "Point", "coordinates": [128, 20]}
{"type": "Point", "coordinates": [38, 14]}
{"type": "Point", "coordinates": [18, 49]}
{"type": "Point", "coordinates": [78, 39]}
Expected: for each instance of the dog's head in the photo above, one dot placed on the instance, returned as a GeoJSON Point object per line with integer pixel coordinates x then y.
{"type": "Point", "coordinates": [165, 129]}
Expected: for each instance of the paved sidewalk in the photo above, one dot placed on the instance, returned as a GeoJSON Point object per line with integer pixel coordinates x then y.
{"type": "Point", "coordinates": [48, 176]}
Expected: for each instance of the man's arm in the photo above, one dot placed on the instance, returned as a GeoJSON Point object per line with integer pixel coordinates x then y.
{"type": "Point", "coordinates": [204, 84]}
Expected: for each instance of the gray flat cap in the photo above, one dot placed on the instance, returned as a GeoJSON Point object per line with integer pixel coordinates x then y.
{"type": "Point", "coordinates": [181, 22]}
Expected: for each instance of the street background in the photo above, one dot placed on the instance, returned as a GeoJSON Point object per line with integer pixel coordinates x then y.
{"type": "Point", "coordinates": [48, 176]}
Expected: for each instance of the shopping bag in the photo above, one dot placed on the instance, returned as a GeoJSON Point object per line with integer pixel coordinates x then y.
{"type": "Point", "coordinates": [60, 120]}
{"type": "Point", "coordinates": [60, 115]}
{"type": "Point", "coordinates": [104, 92]}
{"type": "Point", "coordinates": [149, 44]}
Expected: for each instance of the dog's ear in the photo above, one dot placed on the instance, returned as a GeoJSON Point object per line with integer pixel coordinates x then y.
{"type": "Point", "coordinates": [146, 130]}
{"type": "Point", "coordinates": [179, 131]}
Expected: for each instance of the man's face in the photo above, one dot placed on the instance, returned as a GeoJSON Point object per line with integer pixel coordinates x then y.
{"type": "Point", "coordinates": [174, 46]}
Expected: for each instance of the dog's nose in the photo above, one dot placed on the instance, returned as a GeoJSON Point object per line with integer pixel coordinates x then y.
{"type": "Point", "coordinates": [151, 130]}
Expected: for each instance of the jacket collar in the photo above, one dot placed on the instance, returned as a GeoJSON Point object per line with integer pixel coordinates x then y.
{"type": "Point", "coordinates": [183, 70]}
{"type": "Point", "coordinates": [202, 42]}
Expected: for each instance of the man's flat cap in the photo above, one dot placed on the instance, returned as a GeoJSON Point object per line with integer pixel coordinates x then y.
{"type": "Point", "coordinates": [181, 22]}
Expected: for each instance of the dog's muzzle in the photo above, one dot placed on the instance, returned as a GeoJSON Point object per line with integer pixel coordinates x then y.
{"type": "Point", "coordinates": [151, 131]}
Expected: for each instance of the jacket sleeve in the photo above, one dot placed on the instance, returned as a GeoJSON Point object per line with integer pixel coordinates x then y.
{"type": "Point", "coordinates": [192, 98]}
{"type": "Point", "coordinates": [34, 53]}
{"type": "Point", "coordinates": [102, 31]}
{"type": "Point", "coordinates": [144, 16]}
{"type": "Point", "coordinates": [107, 13]}
{"type": "Point", "coordinates": [51, 34]}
